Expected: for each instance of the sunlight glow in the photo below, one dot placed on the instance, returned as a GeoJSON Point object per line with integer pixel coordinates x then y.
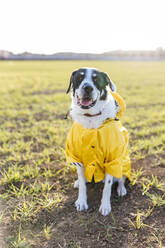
{"type": "Point", "coordinates": [49, 26]}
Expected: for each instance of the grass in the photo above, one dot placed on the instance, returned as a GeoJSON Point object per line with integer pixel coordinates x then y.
{"type": "Point", "coordinates": [18, 241]}
{"type": "Point", "coordinates": [36, 186]}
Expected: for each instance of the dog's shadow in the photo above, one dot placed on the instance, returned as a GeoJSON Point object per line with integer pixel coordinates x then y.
{"type": "Point", "coordinates": [94, 195]}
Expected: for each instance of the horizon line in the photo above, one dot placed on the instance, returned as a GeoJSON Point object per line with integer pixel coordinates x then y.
{"type": "Point", "coordinates": [76, 52]}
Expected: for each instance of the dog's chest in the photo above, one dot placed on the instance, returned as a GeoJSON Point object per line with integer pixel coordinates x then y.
{"type": "Point", "coordinates": [89, 141]}
{"type": "Point", "coordinates": [91, 146]}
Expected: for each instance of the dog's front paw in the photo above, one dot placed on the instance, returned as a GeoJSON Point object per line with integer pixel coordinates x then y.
{"type": "Point", "coordinates": [81, 205]}
{"type": "Point", "coordinates": [105, 208]}
{"type": "Point", "coordinates": [121, 190]}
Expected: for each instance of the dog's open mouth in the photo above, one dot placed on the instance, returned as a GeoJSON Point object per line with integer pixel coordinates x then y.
{"type": "Point", "coordinates": [85, 102]}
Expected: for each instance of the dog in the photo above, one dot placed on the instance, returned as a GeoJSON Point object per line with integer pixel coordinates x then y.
{"type": "Point", "coordinates": [97, 142]}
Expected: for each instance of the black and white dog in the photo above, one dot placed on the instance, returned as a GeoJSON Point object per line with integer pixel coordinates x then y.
{"type": "Point", "coordinates": [92, 104]}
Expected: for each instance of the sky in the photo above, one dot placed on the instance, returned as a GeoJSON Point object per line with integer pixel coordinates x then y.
{"type": "Point", "coordinates": [94, 26]}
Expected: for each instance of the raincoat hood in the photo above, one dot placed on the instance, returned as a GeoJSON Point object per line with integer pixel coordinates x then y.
{"type": "Point", "coordinates": [121, 103]}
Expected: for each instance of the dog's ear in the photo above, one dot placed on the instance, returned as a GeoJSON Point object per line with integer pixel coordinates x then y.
{"type": "Point", "coordinates": [71, 82]}
{"type": "Point", "coordinates": [112, 86]}
{"type": "Point", "coordinates": [109, 82]}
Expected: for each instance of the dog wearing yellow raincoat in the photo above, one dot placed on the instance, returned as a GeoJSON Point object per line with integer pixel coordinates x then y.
{"type": "Point", "coordinates": [97, 143]}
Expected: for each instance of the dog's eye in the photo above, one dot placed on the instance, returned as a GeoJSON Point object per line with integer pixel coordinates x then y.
{"type": "Point", "coordinates": [79, 77]}
{"type": "Point", "coordinates": [94, 76]}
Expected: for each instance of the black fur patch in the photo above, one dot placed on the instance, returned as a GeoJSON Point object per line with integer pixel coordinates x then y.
{"type": "Point", "coordinates": [101, 80]}
{"type": "Point", "coordinates": [116, 104]}
{"type": "Point", "coordinates": [76, 79]}
{"type": "Point", "coordinates": [104, 95]}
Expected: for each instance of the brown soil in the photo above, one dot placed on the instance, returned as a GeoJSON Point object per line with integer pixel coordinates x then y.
{"type": "Point", "coordinates": [3, 231]}
{"type": "Point", "coordinates": [73, 229]}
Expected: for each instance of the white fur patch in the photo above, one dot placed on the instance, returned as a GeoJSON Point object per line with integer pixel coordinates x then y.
{"type": "Point", "coordinates": [122, 129]}
{"type": "Point", "coordinates": [87, 80]}
{"type": "Point", "coordinates": [105, 207]}
{"type": "Point", "coordinates": [107, 108]}
{"type": "Point", "coordinates": [81, 203]}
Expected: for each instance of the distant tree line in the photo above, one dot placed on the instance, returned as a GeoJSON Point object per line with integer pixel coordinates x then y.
{"type": "Point", "coordinates": [158, 54]}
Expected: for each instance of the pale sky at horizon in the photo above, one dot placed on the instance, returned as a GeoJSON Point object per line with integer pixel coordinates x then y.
{"type": "Point", "coordinates": [49, 26]}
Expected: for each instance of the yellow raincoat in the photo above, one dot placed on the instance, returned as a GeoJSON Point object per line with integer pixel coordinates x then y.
{"type": "Point", "coordinates": [101, 150]}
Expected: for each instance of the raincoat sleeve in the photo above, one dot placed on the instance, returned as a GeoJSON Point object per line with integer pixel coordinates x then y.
{"type": "Point", "coordinates": [117, 152]}
{"type": "Point", "coordinates": [70, 149]}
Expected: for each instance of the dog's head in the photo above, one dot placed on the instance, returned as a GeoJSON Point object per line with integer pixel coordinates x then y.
{"type": "Point", "coordinates": [89, 86]}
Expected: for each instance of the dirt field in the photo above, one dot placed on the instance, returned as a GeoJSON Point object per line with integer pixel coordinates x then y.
{"type": "Point", "coordinates": [36, 186]}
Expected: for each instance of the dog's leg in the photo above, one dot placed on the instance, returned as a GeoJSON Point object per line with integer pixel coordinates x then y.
{"type": "Point", "coordinates": [105, 207]}
{"type": "Point", "coordinates": [76, 184]}
{"type": "Point", "coordinates": [121, 190]}
{"type": "Point", "coordinates": [81, 203]}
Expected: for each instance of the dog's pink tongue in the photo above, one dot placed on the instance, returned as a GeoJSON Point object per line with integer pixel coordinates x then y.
{"type": "Point", "coordinates": [86, 102]}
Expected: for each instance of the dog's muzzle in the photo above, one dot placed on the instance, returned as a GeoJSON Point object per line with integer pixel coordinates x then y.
{"type": "Point", "coordinates": [86, 100]}
{"type": "Point", "coordinates": [87, 89]}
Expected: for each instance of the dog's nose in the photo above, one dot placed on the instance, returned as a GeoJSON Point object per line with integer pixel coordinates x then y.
{"type": "Point", "coordinates": [88, 88]}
